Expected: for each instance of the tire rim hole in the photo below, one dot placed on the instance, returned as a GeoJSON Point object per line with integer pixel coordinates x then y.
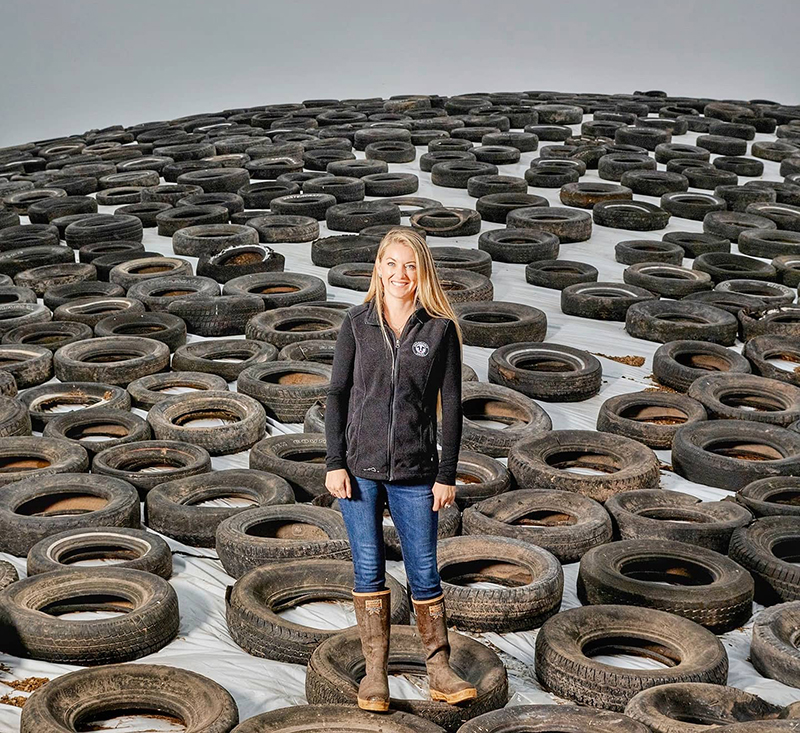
{"type": "Point", "coordinates": [490, 413]}
{"type": "Point", "coordinates": [787, 550]}
{"type": "Point", "coordinates": [487, 572]}
{"type": "Point", "coordinates": [707, 362]}
{"type": "Point", "coordinates": [667, 571]}
{"type": "Point", "coordinates": [305, 456]}
{"type": "Point", "coordinates": [490, 318]}
{"type": "Point", "coordinates": [543, 364]}
{"type": "Point", "coordinates": [150, 269]}
{"type": "Point", "coordinates": [546, 518]}
{"type": "Point", "coordinates": [107, 604]}
{"type": "Point", "coordinates": [788, 498]}
{"type": "Point", "coordinates": [615, 649]}
{"type": "Point", "coordinates": [287, 530]}
{"type": "Point", "coordinates": [111, 357]}
{"type": "Point", "coordinates": [294, 378]}
{"type": "Point", "coordinates": [69, 401]}
{"type": "Point", "coordinates": [96, 432]}
{"type": "Point", "coordinates": [172, 293]}
{"type": "Point", "coordinates": [302, 324]}
{"type": "Point", "coordinates": [681, 318]}
{"type": "Point", "coordinates": [754, 402]}
{"type": "Point", "coordinates": [583, 462]}
{"type": "Point", "coordinates": [267, 289]}
{"type": "Point", "coordinates": [129, 719]}
{"type": "Point", "coordinates": [101, 554]}
{"type": "Point", "coordinates": [654, 414]}
{"type": "Point", "coordinates": [61, 504]}
{"type": "Point", "coordinates": [210, 418]}
{"type": "Point", "coordinates": [136, 329]}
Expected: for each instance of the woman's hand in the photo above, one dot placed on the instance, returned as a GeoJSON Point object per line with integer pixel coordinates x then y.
{"type": "Point", "coordinates": [443, 496]}
{"type": "Point", "coordinates": [338, 483]}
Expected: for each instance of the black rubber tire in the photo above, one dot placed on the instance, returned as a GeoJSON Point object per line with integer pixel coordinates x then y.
{"type": "Point", "coordinates": [747, 397]}
{"type": "Point", "coordinates": [519, 245]}
{"type": "Point", "coordinates": [532, 576]}
{"type": "Point", "coordinates": [160, 292]}
{"type": "Point", "coordinates": [65, 501]}
{"type": "Point", "coordinates": [662, 321]}
{"type": "Point", "coordinates": [495, 207]}
{"type": "Point", "coordinates": [175, 509]}
{"type": "Point", "coordinates": [133, 548]}
{"type": "Point", "coordinates": [495, 323]}
{"type": "Point", "coordinates": [613, 166]}
{"type": "Point", "coordinates": [479, 186]}
{"type": "Point", "coordinates": [8, 385]}
{"type": "Point", "coordinates": [683, 579]}
{"type": "Point", "coordinates": [332, 251]}
{"type": "Point", "coordinates": [522, 416]}
{"type": "Point", "coordinates": [772, 651]}
{"type": "Point", "coordinates": [588, 194]}
{"type": "Point", "coordinates": [781, 321]}
{"type": "Point", "coordinates": [319, 351]}
{"type": "Point", "coordinates": [129, 273]}
{"type": "Point", "coordinates": [211, 357]}
{"type": "Point", "coordinates": [730, 224]}
{"type": "Point", "coordinates": [769, 243]}
{"type": "Point", "coordinates": [145, 211]}
{"type": "Point", "coordinates": [355, 216]}
{"type": "Point", "coordinates": [284, 228]}
{"type": "Point", "coordinates": [768, 497]}
{"type": "Point", "coordinates": [150, 621]}
{"type": "Point", "coordinates": [651, 418]}
{"type": "Point", "coordinates": [696, 243]}
{"type": "Point", "coordinates": [81, 426]}
{"type": "Point", "coordinates": [239, 261]}
{"type": "Point", "coordinates": [769, 293]}
{"type": "Point", "coordinates": [8, 574]}
{"type": "Point", "coordinates": [205, 239]}
{"type": "Point", "coordinates": [278, 289]}
{"type": "Point", "coordinates": [342, 188]}
{"type": "Point", "coordinates": [331, 679]}
{"type": "Point", "coordinates": [683, 707]}
{"type": "Point", "coordinates": [170, 221]}
{"type": "Point", "coordinates": [201, 704]}
{"type": "Point", "coordinates": [351, 275]}
{"type": "Point", "coordinates": [632, 251]}
{"type": "Point", "coordinates": [606, 301]}
{"type": "Point", "coordinates": [665, 280]}
{"type": "Point", "coordinates": [559, 274]}
{"type": "Point", "coordinates": [147, 391]}
{"type": "Point", "coordinates": [101, 228]}
{"type": "Point", "coordinates": [655, 183]}
{"type": "Point", "coordinates": [29, 365]}
{"type": "Point", "coordinates": [543, 462]}
{"type": "Point", "coordinates": [562, 644]}
{"type": "Point", "coordinates": [14, 261]}
{"type": "Point", "coordinates": [548, 718]}
{"type": "Point", "coordinates": [40, 279]}
{"type": "Point", "coordinates": [13, 315]}
{"type": "Point", "coordinates": [253, 602]}
{"type": "Point", "coordinates": [443, 221]}
{"type": "Point", "coordinates": [60, 294]}
{"type": "Point", "coordinates": [243, 417]}
{"type": "Point", "coordinates": [677, 364]}
{"type": "Point", "coordinates": [568, 225]}
{"type": "Point", "coordinates": [293, 456]}
{"type": "Point", "coordinates": [14, 418]}
{"type": "Point", "coordinates": [456, 173]}
{"type": "Point", "coordinates": [174, 459]}
{"type": "Point", "coordinates": [114, 360]}
{"type": "Point", "coordinates": [42, 400]}
{"type": "Point", "coordinates": [280, 533]}
{"type": "Point", "coordinates": [390, 184]}
{"type": "Point", "coordinates": [636, 215]}
{"type": "Point", "coordinates": [282, 326]}
{"type": "Point", "coordinates": [462, 258]}
{"type": "Point", "coordinates": [733, 453]}
{"type": "Point", "coordinates": [90, 311]}
{"type": "Point", "coordinates": [768, 550]}
{"type": "Point", "coordinates": [164, 327]}
{"type": "Point", "coordinates": [287, 389]}
{"type": "Point", "coordinates": [223, 315]}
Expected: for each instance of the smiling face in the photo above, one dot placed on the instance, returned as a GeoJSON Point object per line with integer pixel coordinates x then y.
{"type": "Point", "coordinates": [397, 270]}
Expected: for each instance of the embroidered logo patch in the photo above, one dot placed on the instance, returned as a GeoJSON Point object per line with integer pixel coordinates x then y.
{"type": "Point", "coordinates": [436, 610]}
{"type": "Point", "coordinates": [420, 348]}
{"type": "Point", "coordinates": [373, 605]}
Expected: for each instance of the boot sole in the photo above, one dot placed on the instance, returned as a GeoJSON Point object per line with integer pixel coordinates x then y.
{"type": "Point", "coordinates": [469, 694]}
{"type": "Point", "coordinates": [376, 706]}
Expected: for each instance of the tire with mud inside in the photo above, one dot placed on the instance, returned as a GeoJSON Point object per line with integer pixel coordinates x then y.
{"type": "Point", "coordinates": [254, 602]}
{"type": "Point", "coordinates": [567, 641]}
{"type": "Point", "coordinates": [25, 457]}
{"type": "Point", "coordinates": [564, 523]}
{"type": "Point", "coordinates": [676, 364]}
{"type": "Point", "coordinates": [773, 650]}
{"type": "Point", "coordinates": [767, 497]}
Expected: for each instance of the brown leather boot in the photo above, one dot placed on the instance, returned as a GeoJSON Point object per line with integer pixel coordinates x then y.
{"type": "Point", "coordinates": [445, 684]}
{"type": "Point", "coordinates": [372, 614]}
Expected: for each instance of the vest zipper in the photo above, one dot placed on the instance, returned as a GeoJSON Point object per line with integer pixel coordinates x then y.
{"type": "Point", "coordinates": [391, 399]}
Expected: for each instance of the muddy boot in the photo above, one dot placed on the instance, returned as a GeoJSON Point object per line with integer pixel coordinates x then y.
{"type": "Point", "coordinates": [445, 684]}
{"type": "Point", "coordinates": [372, 614]}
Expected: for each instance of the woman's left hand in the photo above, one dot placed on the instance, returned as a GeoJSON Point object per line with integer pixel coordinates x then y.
{"type": "Point", "coordinates": [443, 496]}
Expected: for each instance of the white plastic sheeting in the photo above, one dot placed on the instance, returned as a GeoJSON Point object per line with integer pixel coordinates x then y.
{"type": "Point", "coordinates": [258, 685]}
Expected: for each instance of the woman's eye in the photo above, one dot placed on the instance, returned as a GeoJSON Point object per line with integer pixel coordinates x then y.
{"type": "Point", "coordinates": [411, 267]}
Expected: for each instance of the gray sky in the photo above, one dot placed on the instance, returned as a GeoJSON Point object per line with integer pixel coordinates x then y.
{"type": "Point", "coordinates": [70, 66]}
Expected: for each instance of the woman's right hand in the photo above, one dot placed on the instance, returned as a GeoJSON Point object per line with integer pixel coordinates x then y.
{"type": "Point", "coordinates": [338, 483]}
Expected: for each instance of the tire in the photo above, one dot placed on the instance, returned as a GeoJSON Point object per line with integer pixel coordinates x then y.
{"type": "Point", "coordinates": [567, 224]}
{"type": "Point", "coordinates": [747, 397]}
{"type": "Point", "coordinates": [129, 273]}
{"type": "Point", "coordinates": [546, 371]}
{"type": "Point", "coordinates": [683, 707]}
{"type": "Point", "coordinates": [391, 184]}
{"type": "Point", "coordinates": [655, 183]}
{"type": "Point", "coordinates": [696, 243]}
{"type": "Point", "coordinates": [42, 400]}
{"type": "Point", "coordinates": [664, 321]}
{"type": "Point", "coordinates": [320, 352]}
{"type": "Point", "coordinates": [781, 322]}
{"type": "Point", "coordinates": [677, 364]}
{"type": "Point", "coordinates": [164, 327]}
{"type": "Point", "coordinates": [533, 580]}
{"type": "Point", "coordinates": [351, 275]}
{"type": "Point", "coordinates": [8, 574]}
{"type": "Point", "coordinates": [443, 221]}
{"type": "Point", "coordinates": [134, 548]}
{"type": "Point", "coordinates": [170, 221]}
{"type": "Point", "coordinates": [768, 550]}
{"type": "Point", "coordinates": [678, 517]}
{"type": "Point", "coordinates": [636, 215]}
{"type": "Point", "coordinates": [278, 289]}
{"type": "Point", "coordinates": [60, 294]}
{"type": "Point", "coordinates": [210, 357]}
{"type": "Point", "coordinates": [160, 292]}
{"type": "Point", "coordinates": [240, 261]}
{"type": "Point", "coordinates": [772, 651]}
{"type": "Point", "coordinates": [778, 496]}
{"type": "Point", "coordinates": [224, 315]}
{"type": "Point", "coordinates": [770, 294]}
{"type": "Point", "coordinates": [28, 365]}
{"type": "Point", "coordinates": [21, 314]}
{"type": "Point", "coordinates": [547, 718]}
{"type": "Point", "coordinates": [287, 389]}
{"type": "Point", "coordinates": [651, 418]}
{"type": "Point", "coordinates": [286, 228]}
{"type": "Point", "coordinates": [606, 301]}
{"type": "Point", "coordinates": [699, 584]}
{"type": "Point", "coordinates": [587, 195]}
{"type": "Point", "coordinates": [456, 173]}
{"type": "Point", "coordinates": [479, 186]}
{"type": "Point", "coordinates": [114, 360]}
{"type": "Point", "coordinates": [284, 534]}
{"type": "Point", "coordinates": [542, 463]}
{"type": "Point", "coordinates": [244, 418]}
{"type": "Point", "coordinates": [253, 604]}
{"type": "Point", "coordinates": [565, 640]}
{"type": "Point", "coordinates": [495, 207]}
{"type": "Point", "coordinates": [330, 679]}
{"type": "Point", "coordinates": [14, 261]}
{"type": "Point", "coordinates": [175, 508]}
{"type": "Point", "coordinates": [523, 417]}
{"type": "Point", "coordinates": [342, 188]}
{"type": "Point", "coordinates": [355, 216]}
{"type": "Point", "coordinates": [769, 243]}
{"type": "Point", "coordinates": [519, 245]}
{"type": "Point", "coordinates": [633, 251]}
{"type": "Point", "coordinates": [282, 326]}
{"type": "Point", "coordinates": [51, 335]}
{"type": "Point", "coordinates": [293, 457]}
{"type": "Point", "coordinates": [613, 166]}
{"type": "Point", "coordinates": [129, 462]}
{"type": "Point", "coordinates": [90, 311]}
{"type": "Point", "coordinates": [668, 281]}
{"type": "Point", "coordinates": [730, 224]}
{"type": "Point", "coordinates": [207, 239]}
{"type": "Point", "coordinates": [559, 274]}
{"type": "Point", "coordinates": [40, 279]}
{"type": "Point", "coordinates": [494, 323]}
{"type": "Point", "coordinates": [117, 427]}
{"type": "Point", "coordinates": [14, 418]}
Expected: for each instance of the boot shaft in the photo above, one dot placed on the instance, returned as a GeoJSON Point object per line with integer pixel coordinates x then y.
{"type": "Point", "coordinates": [373, 614]}
{"type": "Point", "coordinates": [432, 627]}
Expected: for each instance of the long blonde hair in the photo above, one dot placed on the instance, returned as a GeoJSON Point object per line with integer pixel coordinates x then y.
{"type": "Point", "coordinates": [429, 293]}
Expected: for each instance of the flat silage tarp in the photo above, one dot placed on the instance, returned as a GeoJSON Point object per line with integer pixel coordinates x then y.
{"type": "Point", "coordinates": [204, 645]}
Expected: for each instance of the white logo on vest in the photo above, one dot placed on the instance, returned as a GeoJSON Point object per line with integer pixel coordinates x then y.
{"type": "Point", "coordinates": [420, 348]}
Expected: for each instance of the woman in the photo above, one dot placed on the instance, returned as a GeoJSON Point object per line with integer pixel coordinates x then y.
{"type": "Point", "coordinates": [394, 355]}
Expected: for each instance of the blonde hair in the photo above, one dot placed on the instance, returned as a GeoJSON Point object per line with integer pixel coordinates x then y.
{"type": "Point", "coordinates": [429, 293]}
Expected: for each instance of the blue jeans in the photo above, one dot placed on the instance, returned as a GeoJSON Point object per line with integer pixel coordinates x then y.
{"type": "Point", "coordinates": [411, 507]}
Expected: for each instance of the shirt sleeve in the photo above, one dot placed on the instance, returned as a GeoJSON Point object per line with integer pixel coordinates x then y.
{"type": "Point", "coordinates": [452, 417]}
{"type": "Point", "coordinates": [338, 397]}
